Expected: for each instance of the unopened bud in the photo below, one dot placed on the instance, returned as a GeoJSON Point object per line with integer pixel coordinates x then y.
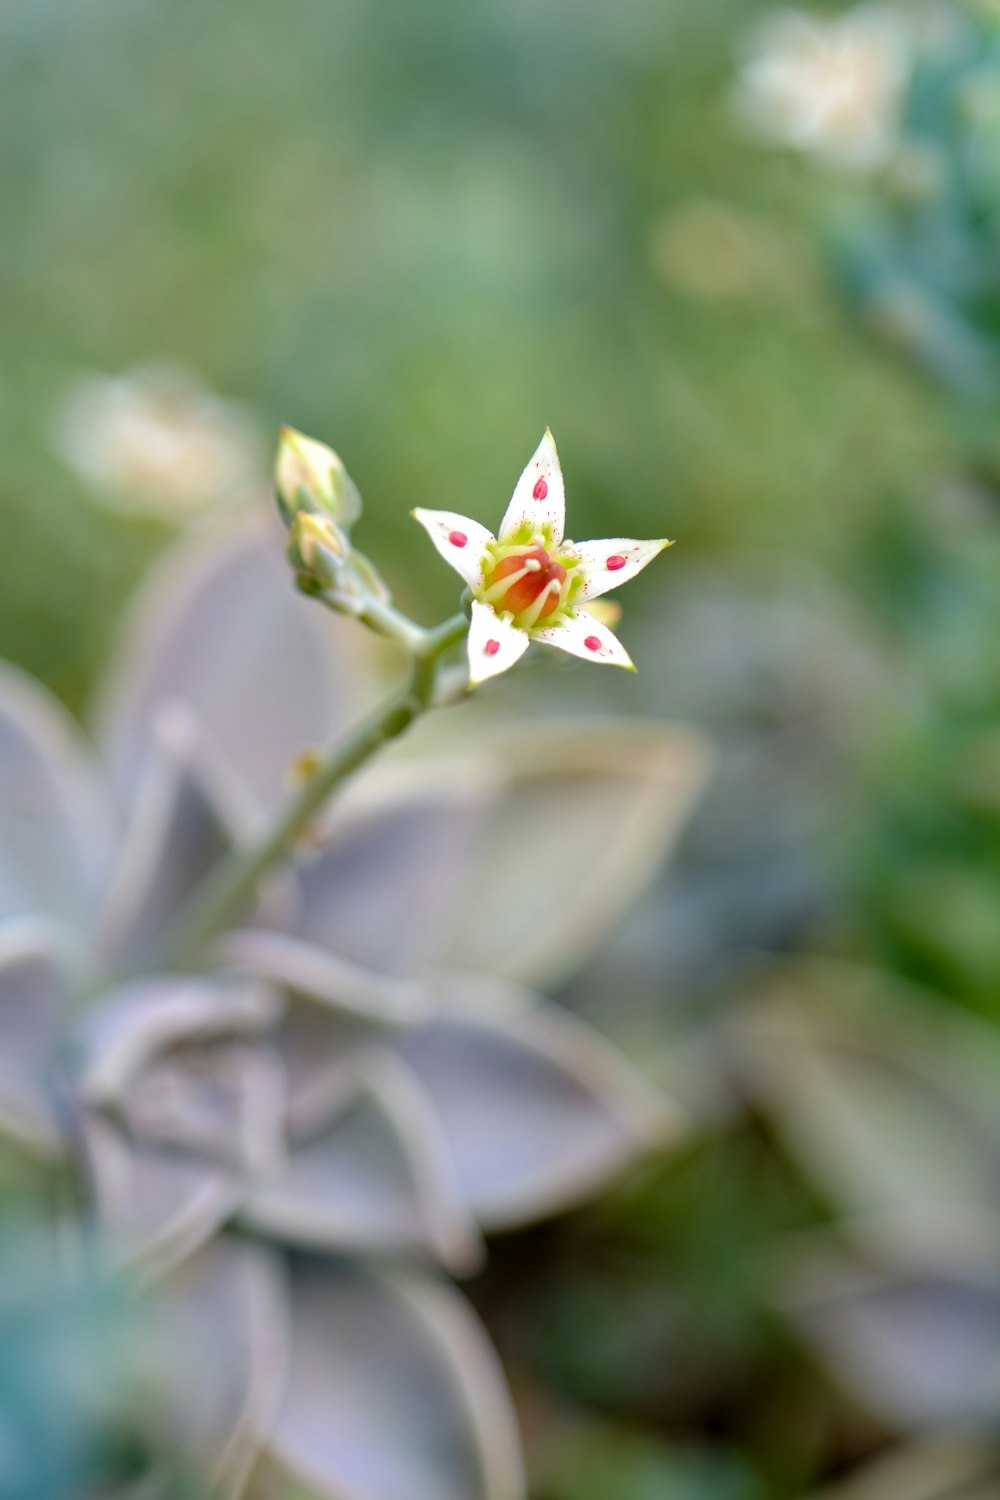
{"type": "Point", "coordinates": [317, 548]}
{"type": "Point", "coordinates": [310, 477]}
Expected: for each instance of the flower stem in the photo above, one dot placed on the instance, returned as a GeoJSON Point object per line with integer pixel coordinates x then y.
{"type": "Point", "coordinates": [228, 889]}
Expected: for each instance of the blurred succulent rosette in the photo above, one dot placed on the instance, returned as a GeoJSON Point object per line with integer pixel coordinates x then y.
{"type": "Point", "coordinates": [267, 1163]}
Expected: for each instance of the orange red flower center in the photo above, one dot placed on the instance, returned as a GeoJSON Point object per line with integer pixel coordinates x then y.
{"type": "Point", "coordinates": [535, 583]}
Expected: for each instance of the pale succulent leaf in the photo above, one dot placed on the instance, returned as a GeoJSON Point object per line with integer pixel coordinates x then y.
{"type": "Point", "coordinates": [380, 891]}
{"type": "Point", "coordinates": [332, 1008]}
{"type": "Point", "coordinates": [55, 822]}
{"type": "Point", "coordinates": [185, 820]}
{"type": "Point", "coordinates": [138, 1021]}
{"type": "Point", "coordinates": [378, 1179]}
{"type": "Point", "coordinates": [344, 990]}
{"type": "Point", "coordinates": [538, 1109]}
{"type": "Point", "coordinates": [220, 629]}
{"type": "Point", "coordinates": [896, 1118]}
{"type": "Point", "coordinates": [154, 1207]}
{"type": "Point", "coordinates": [34, 1005]}
{"type": "Point", "coordinates": [917, 1348]}
{"type": "Point", "coordinates": [222, 1100]}
{"type": "Point", "coordinates": [221, 1352]}
{"type": "Point", "coordinates": [583, 815]}
{"type": "Point", "coordinates": [393, 1393]}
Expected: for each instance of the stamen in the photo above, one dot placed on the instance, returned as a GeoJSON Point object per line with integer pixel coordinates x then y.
{"type": "Point", "coordinates": [615, 562]}
{"type": "Point", "coordinates": [529, 583]}
{"type": "Point", "coordinates": [534, 613]}
{"type": "Point", "coordinates": [541, 490]}
{"type": "Point", "coordinates": [592, 643]}
{"type": "Point", "coordinates": [499, 590]}
{"type": "Point", "coordinates": [491, 648]}
{"type": "Point", "coordinates": [457, 538]}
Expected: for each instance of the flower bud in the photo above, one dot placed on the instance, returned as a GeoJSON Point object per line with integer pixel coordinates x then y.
{"type": "Point", "coordinates": [317, 549]}
{"type": "Point", "coordinates": [310, 477]}
{"type": "Point", "coordinates": [325, 563]}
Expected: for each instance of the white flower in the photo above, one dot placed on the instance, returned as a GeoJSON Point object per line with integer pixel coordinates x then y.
{"type": "Point", "coordinates": [528, 584]}
{"type": "Point", "coordinates": [830, 87]}
{"type": "Point", "coordinates": [155, 441]}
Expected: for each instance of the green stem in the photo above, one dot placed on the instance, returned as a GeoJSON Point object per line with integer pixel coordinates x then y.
{"type": "Point", "coordinates": [229, 888]}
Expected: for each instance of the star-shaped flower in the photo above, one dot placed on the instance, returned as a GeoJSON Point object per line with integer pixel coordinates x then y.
{"type": "Point", "coordinates": [528, 583]}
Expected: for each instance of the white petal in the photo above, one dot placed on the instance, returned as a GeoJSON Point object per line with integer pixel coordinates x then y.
{"type": "Point", "coordinates": [494, 645]}
{"type": "Point", "coordinates": [582, 635]}
{"type": "Point", "coordinates": [539, 499]}
{"type": "Point", "coordinates": [461, 542]}
{"type": "Point", "coordinates": [606, 564]}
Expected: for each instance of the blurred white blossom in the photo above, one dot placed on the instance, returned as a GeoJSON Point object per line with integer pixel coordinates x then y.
{"type": "Point", "coordinates": [829, 86]}
{"type": "Point", "coordinates": [155, 441]}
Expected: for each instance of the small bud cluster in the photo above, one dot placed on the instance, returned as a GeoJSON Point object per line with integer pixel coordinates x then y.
{"type": "Point", "coordinates": [319, 502]}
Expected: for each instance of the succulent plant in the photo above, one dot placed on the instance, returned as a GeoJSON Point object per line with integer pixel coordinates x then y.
{"type": "Point", "coordinates": [283, 1142]}
{"type": "Point", "coordinates": [887, 1098]}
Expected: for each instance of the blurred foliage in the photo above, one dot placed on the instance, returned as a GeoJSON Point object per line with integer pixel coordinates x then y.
{"type": "Point", "coordinates": [423, 236]}
{"type": "Point", "coordinates": [421, 233]}
{"type": "Point", "coordinates": [920, 256]}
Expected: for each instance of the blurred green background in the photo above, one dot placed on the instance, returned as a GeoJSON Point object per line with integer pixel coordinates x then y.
{"type": "Point", "coordinates": [421, 233]}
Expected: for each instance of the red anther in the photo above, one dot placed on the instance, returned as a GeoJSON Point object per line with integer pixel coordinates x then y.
{"type": "Point", "coordinates": [457, 538]}
{"type": "Point", "coordinates": [615, 562]}
{"type": "Point", "coordinates": [491, 648]}
{"type": "Point", "coordinates": [541, 490]}
{"type": "Point", "coordinates": [592, 643]}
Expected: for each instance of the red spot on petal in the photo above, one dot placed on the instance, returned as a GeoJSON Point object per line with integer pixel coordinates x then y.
{"type": "Point", "coordinates": [541, 490]}
{"type": "Point", "coordinates": [615, 562]}
{"type": "Point", "coordinates": [457, 538]}
{"type": "Point", "coordinates": [592, 643]}
{"type": "Point", "coordinates": [491, 648]}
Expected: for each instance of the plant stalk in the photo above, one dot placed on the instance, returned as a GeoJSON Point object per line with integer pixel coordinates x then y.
{"type": "Point", "coordinates": [228, 889]}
